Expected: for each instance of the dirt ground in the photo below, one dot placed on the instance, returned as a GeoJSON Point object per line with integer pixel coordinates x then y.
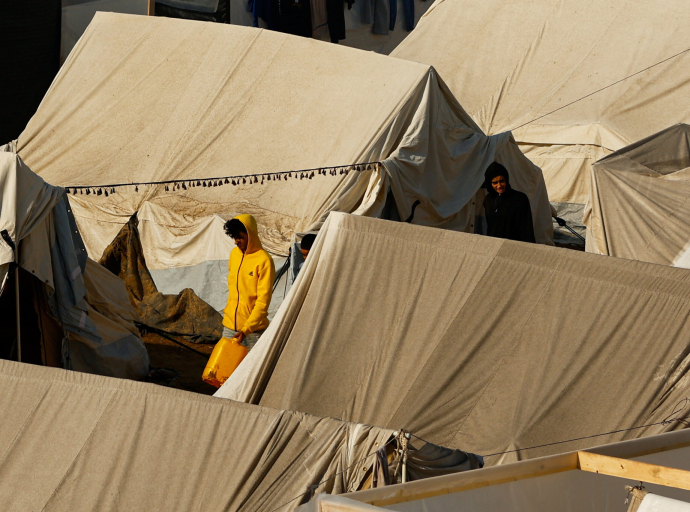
{"type": "Point", "coordinates": [166, 354]}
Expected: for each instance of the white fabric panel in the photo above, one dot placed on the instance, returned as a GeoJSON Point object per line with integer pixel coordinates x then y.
{"type": "Point", "coordinates": [25, 202]}
{"type": "Point", "coordinates": [654, 503]}
{"type": "Point", "coordinates": [209, 280]}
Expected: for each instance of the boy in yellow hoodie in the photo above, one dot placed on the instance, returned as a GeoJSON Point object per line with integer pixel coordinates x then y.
{"type": "Point", "coordinates": [250, 283]}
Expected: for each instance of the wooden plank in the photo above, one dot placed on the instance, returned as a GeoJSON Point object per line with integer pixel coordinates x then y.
{"type": "Point", "coordinates": [467, 480]}
{"type": "Point", "coordinates": [634, 470]}
{"type": "Point", "coordinates": [151, 8]}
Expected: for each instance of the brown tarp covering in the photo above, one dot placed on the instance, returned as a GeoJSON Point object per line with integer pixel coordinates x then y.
{"type": "Point", "coordinates": [639, 205]}
{"type": "Point", "coordinates": [475, 342]}
{"type": "Point", "coordinates": [77, 442]}
{"type": "Point", "coordinates": [184, 314]}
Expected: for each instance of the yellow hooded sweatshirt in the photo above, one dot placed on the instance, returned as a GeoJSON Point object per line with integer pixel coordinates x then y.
{"type": "Point", "coordinates": [250, 283]}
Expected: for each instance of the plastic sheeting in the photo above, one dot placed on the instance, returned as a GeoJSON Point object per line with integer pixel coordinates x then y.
{"type": "Point", "coordinates": [654, 503]}
{"type": "Point", "coordinates": [518, 62]}
{"type": "Point", "coordinates": [89, 306]}
{"type": "Point", "coordinates": [472, 342]}
{"type": "Point", "coordinates": [638, 207]}
{"type": "Point", "coordinates": [212, 108]}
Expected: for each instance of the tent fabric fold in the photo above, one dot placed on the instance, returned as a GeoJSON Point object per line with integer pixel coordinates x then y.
{"type": "Point", "coordinates": [639, 207]}
{"type": "Point", "coordinates": [561, 75]}
{"type": "Point", "coordinates": [99, 337]}
{"type": "Point", "coordinates": [118, 444]}
{"type": "Point", "coordinates": [471, 342]}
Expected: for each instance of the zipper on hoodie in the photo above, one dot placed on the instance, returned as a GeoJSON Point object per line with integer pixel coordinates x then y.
{"type": "Point", "coordinates": [237, 283]}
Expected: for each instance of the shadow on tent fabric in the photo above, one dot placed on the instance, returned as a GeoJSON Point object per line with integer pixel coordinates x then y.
{"type": "Point", "coordinates": [183, 314]}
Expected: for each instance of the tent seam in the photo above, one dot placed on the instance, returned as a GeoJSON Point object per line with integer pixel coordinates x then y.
{"type": "Point", "coordinates": [67, 470]}
{"type": "Point", "coordinates": [465, 305]}
{"type": "Point", "coordinates": [31, 414]}
{"type": "Point", "coordinates": [510, 350]}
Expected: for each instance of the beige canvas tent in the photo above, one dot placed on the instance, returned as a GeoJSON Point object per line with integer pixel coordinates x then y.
{"type": "Point", "coordinates": [73, 312]}
{"type": "Point", "coordinates": [556, 73]}
{"type": "Point", "coordinates": [586, 481]}
{"type": "Point", "coordinates": [144, 99]}
{"type": "Point", "coordinates": [72, 442]}
{"type": "Point", "coordinates": [638, 207]}
{"type": "Point", "coordinates": [484, 344]}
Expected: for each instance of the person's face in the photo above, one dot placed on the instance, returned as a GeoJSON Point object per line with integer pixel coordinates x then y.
{"type": "Point", "coordinates": [241, 241]}
{"type": "Point", "coordinates": [499, 184]}
{"type": "Point", "coordinates": [305, 253]}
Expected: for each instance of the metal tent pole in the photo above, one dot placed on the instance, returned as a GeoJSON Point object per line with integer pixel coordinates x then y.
{"type": "Point", "coordinates": [16, 293]}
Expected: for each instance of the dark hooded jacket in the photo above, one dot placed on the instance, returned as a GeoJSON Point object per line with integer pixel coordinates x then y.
{"type": "Point", "coordinates": [508, 215]}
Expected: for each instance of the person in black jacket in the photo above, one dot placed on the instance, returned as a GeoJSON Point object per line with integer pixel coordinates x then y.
{"type": "Point", "coordinates": [508, 213]}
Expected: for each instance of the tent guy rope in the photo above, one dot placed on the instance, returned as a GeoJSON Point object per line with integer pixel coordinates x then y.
{"type": "Point", "coordinates": [603, 88]}
{"type": "Point", "coordinates": [185, 184]}
{"type": "Point", "coordinates": [685, 420]}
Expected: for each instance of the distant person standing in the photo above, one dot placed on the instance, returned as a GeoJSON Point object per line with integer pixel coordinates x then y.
{"type": "Point", "coordinates": [508, 212]}
{"type": "Point", "coordinates": [250, 283]}
{"type": "Point", "coordinates": [305, 247]}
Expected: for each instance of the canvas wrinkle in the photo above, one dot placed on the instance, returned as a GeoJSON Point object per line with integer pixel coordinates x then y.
{"type": "Point", "coordinates": [177, 151]}
{"type": "Point", "coordinates": [54, 494]}
{"type": "Point", "coordinates": [493, 103]}
{"type": "Point", "coordinates": [553, 400]}
{"type": "Point", "coordinates": [509, 351]}
{"type": "Point", "coordinates": [468, 300]}
{"type": "Point", "coordinates": [30, 416]}
{"type": "Point", "coordinates": [381, 348]}
{"type": "Point", "coordinates": [69, 112]}
{"type": "Point", "coordinates": [385, 129]}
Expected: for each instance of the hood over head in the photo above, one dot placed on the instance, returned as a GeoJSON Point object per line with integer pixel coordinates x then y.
{"type": "Point", "coordinates": [254, 243]}
{"type": "Point", "coordinates": [495, 169]}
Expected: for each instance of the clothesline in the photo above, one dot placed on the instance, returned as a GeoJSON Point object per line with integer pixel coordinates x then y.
{"type": "Point", "coordinates": [185, 184]}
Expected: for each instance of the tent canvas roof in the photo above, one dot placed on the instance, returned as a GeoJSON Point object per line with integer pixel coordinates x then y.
{"type": "Point", "coordinates": [638, 206]}
{"type": "Point", "coordinates": [72, 441]}
{"type": "Point", "coordinates": [473, 342]}
{"type": "Point", "coordinates": [148, 99]}
{"type": "Point", "coordinates": [514, 62]}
